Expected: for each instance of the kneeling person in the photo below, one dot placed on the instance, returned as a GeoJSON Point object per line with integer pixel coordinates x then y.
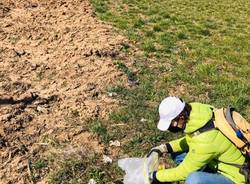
{"type": "Point", "coordinates": [210, 149]}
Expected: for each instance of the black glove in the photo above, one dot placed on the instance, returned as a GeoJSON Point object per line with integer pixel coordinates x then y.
{"type": "Point", "coordinates": [153, 179]}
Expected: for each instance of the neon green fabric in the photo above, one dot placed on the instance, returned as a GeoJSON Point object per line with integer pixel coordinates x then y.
{"type": "Point", "coordinates": [210, 147]}
{"type": "Point", "coordinates": [199, 116]}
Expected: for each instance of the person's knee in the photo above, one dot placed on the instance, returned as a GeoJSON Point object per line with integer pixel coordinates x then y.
{"type": "Point", "coordinates": [194, 178]}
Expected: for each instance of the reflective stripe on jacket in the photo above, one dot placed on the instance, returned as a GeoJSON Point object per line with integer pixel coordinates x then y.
{"type": "Point", "coordinates": [208, 148]}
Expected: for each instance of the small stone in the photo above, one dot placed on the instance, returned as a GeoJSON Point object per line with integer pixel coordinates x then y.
{"type": "Point", "coordinates": [41, 109]}
{"type": "Point", "coordinates": [34, 67]}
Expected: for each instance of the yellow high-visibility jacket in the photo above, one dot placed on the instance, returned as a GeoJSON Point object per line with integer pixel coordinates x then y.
{"type": "Point", "coordinates": [210, 148]}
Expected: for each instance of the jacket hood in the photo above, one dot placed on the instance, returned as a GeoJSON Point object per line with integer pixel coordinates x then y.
{"type": "Point", "coordinates": [199, 116]}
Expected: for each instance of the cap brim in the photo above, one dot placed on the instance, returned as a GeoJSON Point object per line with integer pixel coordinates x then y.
{"type": "Point", "coordinates": [163, 124]}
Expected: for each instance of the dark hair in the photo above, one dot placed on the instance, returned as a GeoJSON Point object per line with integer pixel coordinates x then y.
{"type": "Point", "coordinates": [186, 111]}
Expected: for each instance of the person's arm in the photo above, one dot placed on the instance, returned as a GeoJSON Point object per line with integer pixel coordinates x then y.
{"type": "Point", "coordinates": [178, 145]}
{"type": "Point", "coordinates": [200, 153]}
{"type": "Point", "coordinates": [173, 146]}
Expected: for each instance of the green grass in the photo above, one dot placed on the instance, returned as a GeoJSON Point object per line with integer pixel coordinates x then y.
{"type": "Point", "coordinates": [199, 50]}
{"type": "Point", "coordinates": [98, 127]}
{"type": "Point", "coordinates": [69, 172]}
{"type": "Point", "coordinates": [206, 45]}
{"type": "Point", "coordinates": [75, 169]}
{"type": "Point", "coordinates": [40, 164]}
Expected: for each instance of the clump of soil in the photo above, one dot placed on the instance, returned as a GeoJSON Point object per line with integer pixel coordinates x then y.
{"type": "Point", "coordinates": [56, 62]}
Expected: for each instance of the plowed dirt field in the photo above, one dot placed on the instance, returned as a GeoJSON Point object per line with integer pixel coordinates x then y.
{"type": "Point", "coordinates": [56, 62]}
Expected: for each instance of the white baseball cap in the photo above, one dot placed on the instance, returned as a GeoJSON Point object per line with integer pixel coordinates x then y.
{"type": "Point", "coordinates": [169, 109]}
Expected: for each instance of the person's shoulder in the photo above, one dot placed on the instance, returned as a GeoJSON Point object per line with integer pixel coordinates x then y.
{"type": "Point", "coordinates": [199, 103]}
{"type": "Point", "coordinates": [203, 105]}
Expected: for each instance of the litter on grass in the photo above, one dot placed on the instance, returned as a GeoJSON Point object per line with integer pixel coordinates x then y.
{"type": "Point", "coordinates": [106, 159]}
{"type": "Point", "coordinates": [137, 169]}
{"type": "Point", "coordinates": [115, 143]}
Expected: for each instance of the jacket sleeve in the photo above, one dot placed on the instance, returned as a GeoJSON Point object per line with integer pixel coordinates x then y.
{"type": "Point", "coordinates": [179, 145]}
{"type": "Point", "coordinates": [200, 153]}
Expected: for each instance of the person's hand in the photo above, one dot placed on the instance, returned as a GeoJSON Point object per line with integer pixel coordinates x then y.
{"type": "Point", "coordinates": [152, 178]}
{"type": "Point", "coordinates": [159, 149]}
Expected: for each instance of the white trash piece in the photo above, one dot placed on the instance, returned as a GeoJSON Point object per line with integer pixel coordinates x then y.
{"type": "Point", "coordinates": [115, 143]}
{"type": "Point", "coordinates": [106, 159]}
{"type": "Point", "coordinates": [137, 169]}
{"type": "Point", "coordinates": [92, 181]}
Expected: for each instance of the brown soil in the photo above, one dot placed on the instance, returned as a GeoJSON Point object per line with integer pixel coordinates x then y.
{"type": "Point", "coordinates": [56, 62]}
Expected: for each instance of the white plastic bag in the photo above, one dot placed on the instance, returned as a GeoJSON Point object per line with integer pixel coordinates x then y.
{"type": "Point", "coordinates": [137, 169]}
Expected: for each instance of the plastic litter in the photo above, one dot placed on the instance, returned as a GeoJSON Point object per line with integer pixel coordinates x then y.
{"type": "Point", "coordinates": [137, 169]}
{"type": "Point", "coordinates": [115, 143]}
{"type": "Point", "coordinates": [106, 159]}
{"type": "Point", "coordinates": [92, 181]}
{"type": "Point", "coordinates": [143, 120]}
{"type": "Point", "coordinates": [112, 94]}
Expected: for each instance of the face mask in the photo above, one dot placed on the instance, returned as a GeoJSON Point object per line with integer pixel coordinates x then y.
{"type": "Point", "coordinates": [175, 129]}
